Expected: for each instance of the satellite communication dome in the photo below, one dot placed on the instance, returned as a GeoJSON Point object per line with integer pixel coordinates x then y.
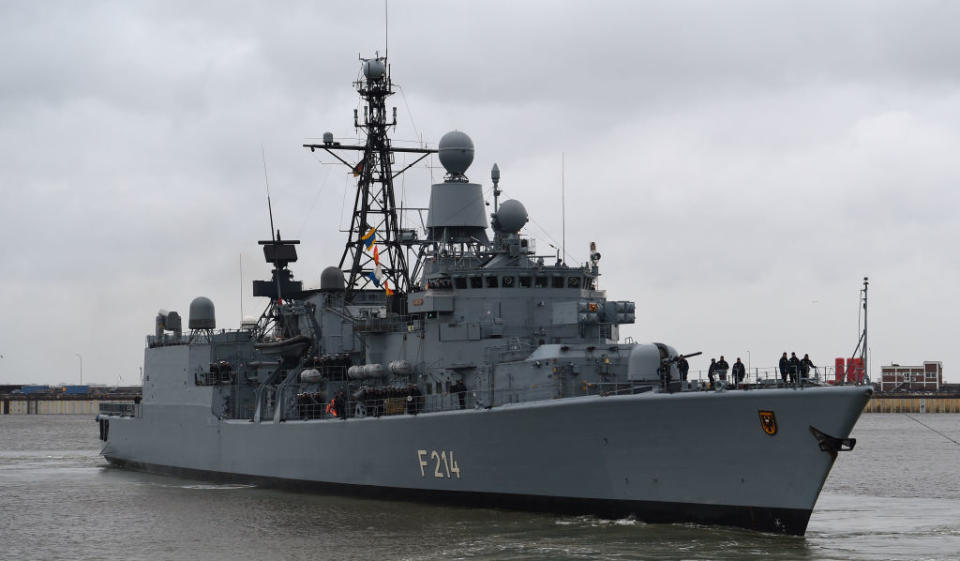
{"type": "Point", "coordinates": [456, 152]}
{"type": "Point", "coordinates": [331, 279]}
{"type": "Point", "coordinates": [374, 69]}
{"type": "Point", "coordinates": [328, 138]}
{"type": "Point", "coordinates": [202, 315]}
{"type": "Point", "coordinates": [510, 217]}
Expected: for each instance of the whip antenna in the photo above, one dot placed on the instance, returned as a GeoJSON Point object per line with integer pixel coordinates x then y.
{"type": "Point", "coordinates": [266, 181]}
{"type": "Point", "coordinates": [563, 206]}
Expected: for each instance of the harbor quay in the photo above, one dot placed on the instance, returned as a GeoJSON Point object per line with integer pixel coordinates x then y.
{"type": "Point", "coordinates": [62, 400]}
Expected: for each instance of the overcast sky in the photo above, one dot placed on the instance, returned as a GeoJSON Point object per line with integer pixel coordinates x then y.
{"type": "Point", "coordinates": [741, 165]}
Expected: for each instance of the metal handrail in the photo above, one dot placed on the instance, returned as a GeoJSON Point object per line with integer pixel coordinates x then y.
{"type": "Point", "coordinates": [119, 409]}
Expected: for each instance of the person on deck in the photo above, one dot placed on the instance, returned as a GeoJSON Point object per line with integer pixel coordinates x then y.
{"type": "Point", "coordinates": [683, 367]}
{"type": "Point", "coordinates": [739, 372]}
{"type": "Point", "coordinates": [784, 367]}
{"type": "Point", "coordinates": [711, 371]}
{"type": "Point", "coordinates": [722, 367]}
{"type": "Point", "coordinates": [805, 365]}
{"type": "Point", "coordinates": [794, 368]}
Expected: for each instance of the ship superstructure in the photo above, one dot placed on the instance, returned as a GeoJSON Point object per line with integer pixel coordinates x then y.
{"type": "Point", "coordinates": [453, 363]}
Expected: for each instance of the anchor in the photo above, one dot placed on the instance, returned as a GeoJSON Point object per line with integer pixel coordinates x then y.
{"type": "Point", "coordinates": [832, 444]}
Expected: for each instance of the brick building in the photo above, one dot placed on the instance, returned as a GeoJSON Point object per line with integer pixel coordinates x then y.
{"type": "Point", "coordinates": [925, 378]}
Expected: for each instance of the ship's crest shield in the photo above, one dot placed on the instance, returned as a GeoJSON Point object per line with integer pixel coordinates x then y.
{"type": "Point", "coordinates": [768, 421]}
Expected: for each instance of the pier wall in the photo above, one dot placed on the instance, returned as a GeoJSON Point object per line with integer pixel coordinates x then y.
{"type": "Point", "coordinates": [54, 406]}
{"type": "Point", "coordinates": [913, 404]}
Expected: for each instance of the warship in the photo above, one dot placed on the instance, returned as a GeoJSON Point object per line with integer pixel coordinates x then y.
{"type": "Point", "coordinates": [445, 361]}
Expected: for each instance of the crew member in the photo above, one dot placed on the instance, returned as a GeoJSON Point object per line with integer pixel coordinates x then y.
{"type": "Point", "coordinates": [683, 367]}
{"type": "Point", "coordinates": [805, 365]}
{"type": "Point", "coordinates": [664, 372]}
{"type": "Point", "coordinates": [417, 398]}
{"type": "Point", "coordinates": [335, 407]}
{"type": "Point", "coordinates": [411, 402]}
{"type": "Point", "coordinates": [722, 367]}
{"type": "Point", "coordinates": [461, 390]}
{"type": "Point", "coordinates": [784, 367]}
{"type": "Point", "coordinates": [739, 372]}
{"type": "Point", "coordinates": [794, 368]}
{"type": "Point", "coordinates": [711, 370]}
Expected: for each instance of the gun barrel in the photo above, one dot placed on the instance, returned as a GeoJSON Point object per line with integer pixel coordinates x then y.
{"type": "Point", "coordinates": [678, 357]}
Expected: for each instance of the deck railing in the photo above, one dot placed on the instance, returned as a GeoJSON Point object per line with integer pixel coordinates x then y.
{"type": "Point", "coordinates": [119, 409]}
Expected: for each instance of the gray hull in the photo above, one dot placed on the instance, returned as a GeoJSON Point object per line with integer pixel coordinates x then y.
{"type": "Point", "coordinates": [691, 457]}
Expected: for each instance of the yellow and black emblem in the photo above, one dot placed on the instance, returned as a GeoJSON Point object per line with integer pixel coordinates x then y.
{"type": "Point", "coordinates": [768, 421]}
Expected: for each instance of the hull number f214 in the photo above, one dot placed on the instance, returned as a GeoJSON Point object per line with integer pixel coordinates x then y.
{"type": "Point", "coordinates": [443, 465]}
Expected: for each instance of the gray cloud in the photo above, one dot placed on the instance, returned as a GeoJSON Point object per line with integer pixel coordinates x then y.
{"type": "Point", "coordinates": [736, 162]}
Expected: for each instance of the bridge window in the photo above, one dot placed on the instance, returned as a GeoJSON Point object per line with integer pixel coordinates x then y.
{"type": "Point", "coordinates": [573, 282]}
{"type": "Point", "coordinates": [541, 282]}
{"type": "Point", "coordinates": [525, 281]}
{"type": "Point", "coordinates": [492, 282]}
{"type": "Point", "coordinates": [508, 281]}
{"type": "Point", "coordinates": [557, 282]}
{"type": "Point", "coordinates": [459, 282]}
{"type": "Point", "coordinates": [476, 282]}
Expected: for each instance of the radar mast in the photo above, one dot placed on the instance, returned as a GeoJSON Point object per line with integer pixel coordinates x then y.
{"type": "Point", "coordinates": [375, 221]}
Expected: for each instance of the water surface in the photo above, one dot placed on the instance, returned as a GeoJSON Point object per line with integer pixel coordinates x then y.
{"type": "Point", "coordinates": [896, 496]}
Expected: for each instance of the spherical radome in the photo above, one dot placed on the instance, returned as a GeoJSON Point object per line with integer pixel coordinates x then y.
{"type": "Point", "coordinates": [456, 152]}
{"type": "Point", "coordinates": [374, 69]}
{"type": "Point", "coordinates": [511, 216]}
{"type": "Point", "coordinates": [202, 314]}
{"type": "Point", "coordinates": [332, 279]}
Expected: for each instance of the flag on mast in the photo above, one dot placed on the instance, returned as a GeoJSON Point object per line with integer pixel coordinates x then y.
{"type": "Point", "coordinates": [369, 238]}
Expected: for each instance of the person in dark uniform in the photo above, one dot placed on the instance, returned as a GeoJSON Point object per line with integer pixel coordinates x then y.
{"type": "Point", "coordinates": [340, 405]}
{"type": "Point", "coordinates": [461, 390]}
{"type": "Point", "coordinates": [418, 398]}
{"type": "Point", "coordinates": [794, 368]}
{"type": "Point", "coordinates": [411, 400]}
{"type": "Point", "coordinates": [664, 373]}
{"type": "Point", "coordinates": [683, 367]}
{"type": "Point", "coordinates": [739, 372]}
{"type": "Point", "coordinates": [784, 367]}
{"type": "Point", "coordinates": [805, 365]}
{"type": "Point", "coordinates": [722, 367]}
{"type": "Point", "coordinates": [711, 371]}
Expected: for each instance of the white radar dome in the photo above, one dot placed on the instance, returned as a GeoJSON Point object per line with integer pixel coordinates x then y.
{"type": "Point", "coordinates": [456, 152]}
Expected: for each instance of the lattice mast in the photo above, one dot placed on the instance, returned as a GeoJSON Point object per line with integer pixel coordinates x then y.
{"type": "Point", "coordinates": [375, 211]}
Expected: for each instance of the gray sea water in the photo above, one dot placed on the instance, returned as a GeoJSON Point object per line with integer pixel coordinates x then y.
{"type": "Point", "coordinates": [897, 496]}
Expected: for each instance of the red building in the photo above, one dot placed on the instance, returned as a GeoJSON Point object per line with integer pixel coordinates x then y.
{"type": "Point", "coordinates": [926, 378]}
